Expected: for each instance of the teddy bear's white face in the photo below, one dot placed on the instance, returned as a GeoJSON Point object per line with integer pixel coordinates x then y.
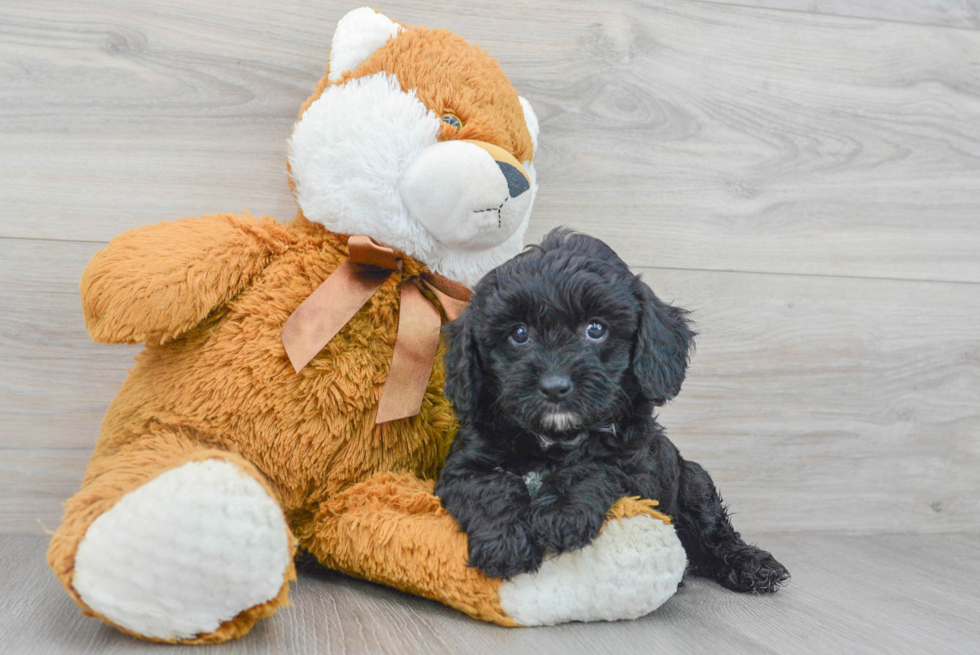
{"type": "Point", "coordinates": [366, 159]}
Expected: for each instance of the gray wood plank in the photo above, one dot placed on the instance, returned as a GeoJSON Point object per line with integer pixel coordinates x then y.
{"type": "Point", "coordinates": [964, 14]}
{"type": "Point", "coordinates": [698, 135]}
{"type": "Point", "coordinates": [890, 594]}
{"type": "Point", "coordinates": [818, 403]}
{"type": "Point", "coordinates": [55, 383]}
{"type": "Point", "coordinates": [34, 483]}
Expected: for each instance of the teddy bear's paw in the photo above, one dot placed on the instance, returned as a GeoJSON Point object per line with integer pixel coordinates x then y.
{"type": "Point", "coordinates": [185, 552]}
{"type": "Point", "coordinates": [628, 571]}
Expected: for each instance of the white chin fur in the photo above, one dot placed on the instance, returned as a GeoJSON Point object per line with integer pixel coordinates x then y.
{"type": "Point", "coordinates": [348, 153]}
{"type": "Point", "coordinates": [560, 421]}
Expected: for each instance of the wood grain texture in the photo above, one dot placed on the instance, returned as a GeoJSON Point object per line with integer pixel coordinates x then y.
{"type": "Point", "coordinates": [55, 384]}
{"type": "Point", "coordinates": [700, 135]}
{"type": "Point", "coordinates": [808, 184]}
{"type": "Point", "coordinates": [964, 14]}
{"type": "Point", "coordinates": [894, 594]}
{"type": "Point", "coordinates": [817, 403]}
{"type": "Point", "coordinates": [34, 484]}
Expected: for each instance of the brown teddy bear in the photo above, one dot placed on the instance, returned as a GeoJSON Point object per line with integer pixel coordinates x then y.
{"type": "Point", "coordinates": [289, 393]}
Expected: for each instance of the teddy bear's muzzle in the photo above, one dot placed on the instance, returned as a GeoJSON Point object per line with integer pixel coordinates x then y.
{"type": "Point", "coordinates": [470, 195]}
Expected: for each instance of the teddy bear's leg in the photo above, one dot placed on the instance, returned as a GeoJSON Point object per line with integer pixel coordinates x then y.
{"type": "Point", "coordinates": [171, 541]}
{"type": "Point", "coordinates": [391, 529]}
{"type": "Point", "coordinates": [633, 566]}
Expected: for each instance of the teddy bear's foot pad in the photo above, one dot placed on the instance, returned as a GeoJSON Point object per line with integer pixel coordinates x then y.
{"type": "Point", "coordinates": [185, 552]}
{"type": "Point", "coordinates": [628, 571]}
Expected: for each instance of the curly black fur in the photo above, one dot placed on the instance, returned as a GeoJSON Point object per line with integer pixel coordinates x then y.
{"type": "Point", "coordinates": [535, 469]}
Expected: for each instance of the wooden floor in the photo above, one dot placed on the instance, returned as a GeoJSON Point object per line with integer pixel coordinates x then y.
{"type": "Point", "coordinates": [803, 174]}
{"type": "Point", "coordinates": [888, 594]}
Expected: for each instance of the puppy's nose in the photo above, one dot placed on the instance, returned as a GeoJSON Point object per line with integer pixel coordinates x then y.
{"type": "Point", "coordinates": [553, 387]}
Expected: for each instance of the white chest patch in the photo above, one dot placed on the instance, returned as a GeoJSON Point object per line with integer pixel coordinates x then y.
{"type": "Point", "coordinates": [533, 482]}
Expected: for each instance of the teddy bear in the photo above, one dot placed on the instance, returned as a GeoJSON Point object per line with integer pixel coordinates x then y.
{"type": "Point", "coordinates": [289, 395]}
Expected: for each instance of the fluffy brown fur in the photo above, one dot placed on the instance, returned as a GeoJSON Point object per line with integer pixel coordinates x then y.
{"type": "Point", "coordinates": [472, 86]}
{"type": "Point", "coordinates": [224, 388]}
{"type": "Point", "coordinates": [209, 297]}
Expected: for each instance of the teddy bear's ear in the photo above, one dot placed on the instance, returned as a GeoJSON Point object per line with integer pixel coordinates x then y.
{"type": "Point", "coordinates": [359, 33]}
{"type": "Point", "coordinates": [532, 121]}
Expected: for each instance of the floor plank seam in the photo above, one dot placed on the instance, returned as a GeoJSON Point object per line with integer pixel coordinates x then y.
{"type": "Point", "coordinates": [632, 265]}
{"type": "Point", "coordinates": [820, 275]}
{"type": "Point", "coordinates": [800, 12]}
{"type": "Point", "coordinates": [49, 239]}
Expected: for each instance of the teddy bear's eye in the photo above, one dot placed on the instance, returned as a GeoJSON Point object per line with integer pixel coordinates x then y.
{"type": "Point", "coordinates": [453, 119]}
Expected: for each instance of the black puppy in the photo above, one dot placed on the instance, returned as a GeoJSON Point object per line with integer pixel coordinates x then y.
{"type": "Point", "coordinates": [554, 370]}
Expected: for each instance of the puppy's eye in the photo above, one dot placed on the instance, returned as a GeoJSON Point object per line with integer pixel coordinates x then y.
{"type": "Point", "coordinates": [519, 335]}
{"type": "Point", "coordinates": [453, 121]}
{"type": "Point", "coordinates": [595, 331]}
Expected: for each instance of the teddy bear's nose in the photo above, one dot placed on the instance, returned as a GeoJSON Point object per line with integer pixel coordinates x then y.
{"type": "Point", "coordinates": [517, 178]}
{"type": "Point", "coordinates": [516, 181]}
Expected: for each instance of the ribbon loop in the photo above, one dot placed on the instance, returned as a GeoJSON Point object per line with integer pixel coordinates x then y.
{"type": "Point", "coordinates": [330, 307]}
{"type": "Point", "coordinates": [364, 251]}
{"type": "Point", "coordinates": [321, 316]}
{"type": "Point", "coordinates": [452, 295]}
{"type": "Point", "coordinates": [413, 357]}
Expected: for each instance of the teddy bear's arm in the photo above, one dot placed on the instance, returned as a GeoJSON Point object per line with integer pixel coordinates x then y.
{"type": "Point", "coordinates": [154, 283]}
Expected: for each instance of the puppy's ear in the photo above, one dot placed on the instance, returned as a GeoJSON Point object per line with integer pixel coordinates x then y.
{"type": "Point", "coordinates": [464, 375]}
{"type": "Point", "coordinates": [663, 340]}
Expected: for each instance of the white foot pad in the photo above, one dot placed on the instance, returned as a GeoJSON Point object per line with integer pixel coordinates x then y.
{"type": "Point", "coordinates": [185, 552]}
{"type": "Point", "coordinates": [628, 571]}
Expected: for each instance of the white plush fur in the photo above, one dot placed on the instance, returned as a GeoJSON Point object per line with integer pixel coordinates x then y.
{"type": "Point", "coordinates": [185, 552]}
{"type": "Point", "coordinates": [631, 569]}
{"type": "Point", "coordinates": [456, 191]}
{"type": "Point", "coordinates": [348, 154]}
{"type": "Point", "coordinates": [532, 121]}
{"type": "Point", "coordinates": [359, 33]}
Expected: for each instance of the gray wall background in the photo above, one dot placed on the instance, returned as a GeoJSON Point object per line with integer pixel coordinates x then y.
{"type": "Point", "coordinates": [802, 174]}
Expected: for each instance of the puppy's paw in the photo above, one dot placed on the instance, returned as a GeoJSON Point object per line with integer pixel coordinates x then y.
{"type": "Point", "coordinates": [562, 528]}
{"type": "Point", "coordinates": [750, 570]}
{"type": "Point", "coordinates": [504, 552]}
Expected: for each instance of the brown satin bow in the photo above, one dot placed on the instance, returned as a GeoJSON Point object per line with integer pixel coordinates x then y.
{"type": "Point", "coordinates": [328, 309]}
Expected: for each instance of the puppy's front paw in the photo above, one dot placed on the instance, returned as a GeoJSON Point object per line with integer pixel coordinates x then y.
{"type": "Point", "coordinates": [750, 569]}
{"type": "Point", "coordinates": [561, 528]}
{"type": "Point", "coordinates": [504, 552]}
